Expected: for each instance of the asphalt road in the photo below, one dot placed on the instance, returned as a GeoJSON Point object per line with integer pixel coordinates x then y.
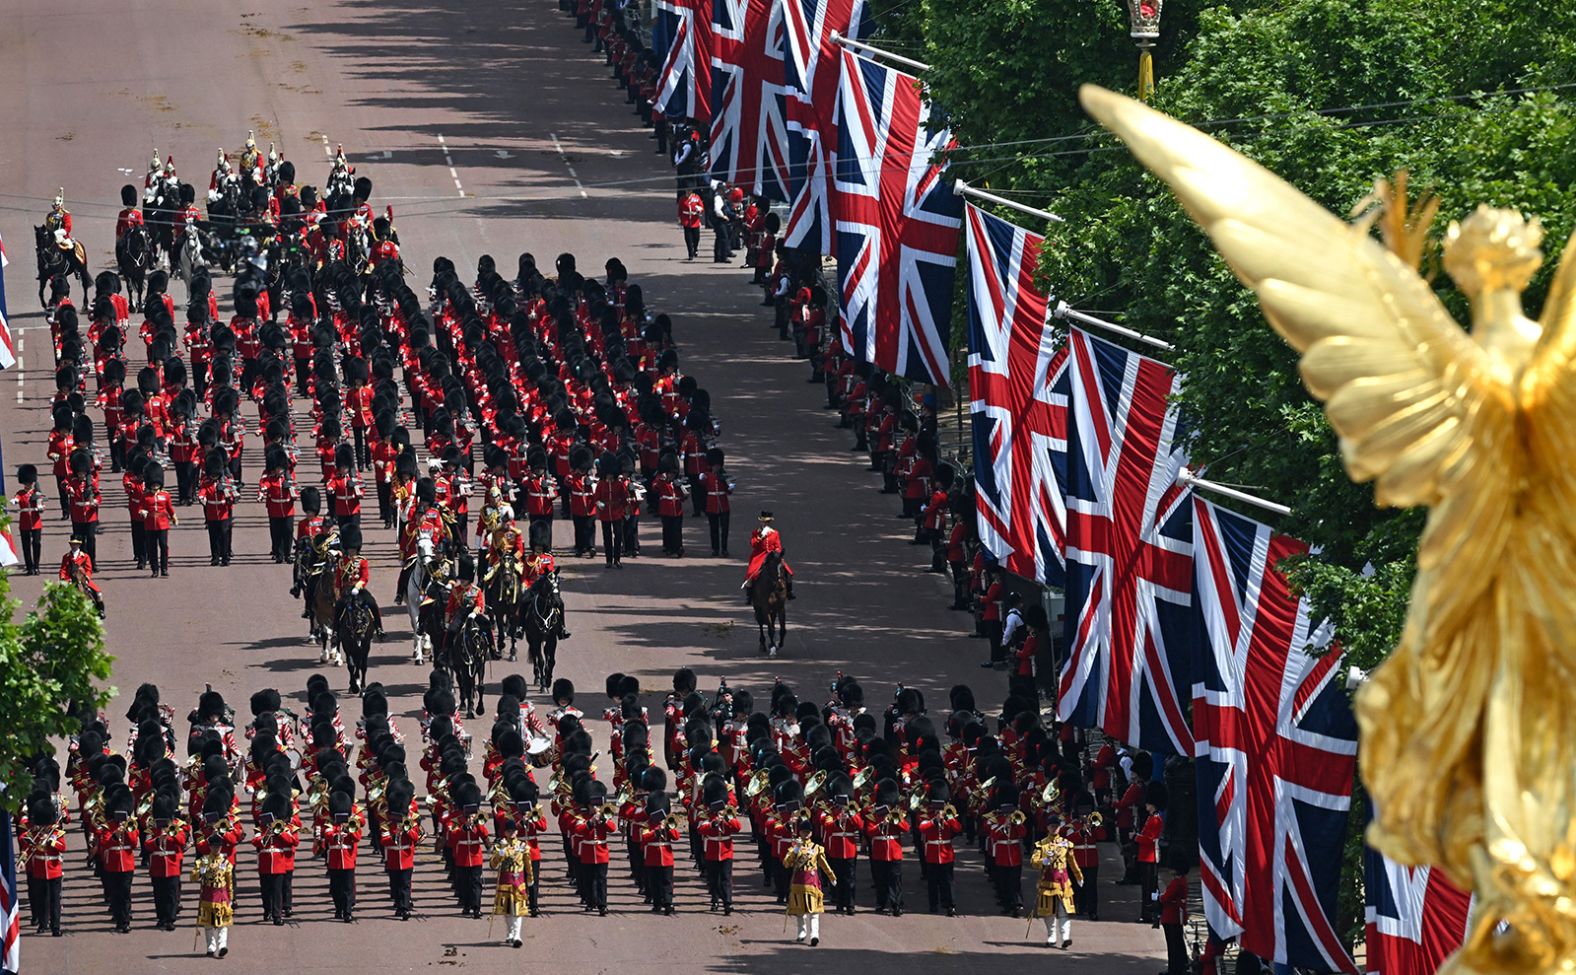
{"type": "Point", "coordinates": [491, 129]}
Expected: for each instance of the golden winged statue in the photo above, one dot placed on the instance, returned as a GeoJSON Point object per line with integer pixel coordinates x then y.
{"type": "Point", "coordinates": [1469, 729]}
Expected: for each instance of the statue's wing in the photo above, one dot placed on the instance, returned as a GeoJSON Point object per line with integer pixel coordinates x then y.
{"type": "Point", "coordinates": [1418, 405]}
{"type": "Point", "coordinates": [1548, 387]}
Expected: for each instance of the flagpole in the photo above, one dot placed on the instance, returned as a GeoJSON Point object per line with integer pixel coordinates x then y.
{"type": "Point", "coordinates": [964, 189]}
{"type": "Point", "coordinates": [1187, 478]}
{"type": "Point", "coordinates": [1064, 311]}
{"type": "Point", "coordinates": [849, 42]}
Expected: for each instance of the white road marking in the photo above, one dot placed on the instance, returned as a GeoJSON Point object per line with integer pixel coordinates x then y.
{"type": "Point", "coordinates": [571, 167]}
{"type": "Point", "coordinates": [450, 161]}
{"type": "Point", "coordinates": [327, 149]}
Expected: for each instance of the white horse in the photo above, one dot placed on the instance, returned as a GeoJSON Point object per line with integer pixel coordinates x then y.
{"type": "Point", "coordinates": [415, 592]}
{"type": "Point", "coordinates": [191, 259]}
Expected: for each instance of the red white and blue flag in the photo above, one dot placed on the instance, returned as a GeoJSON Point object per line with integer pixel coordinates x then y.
{"type": "Point", "coordinates": [10, 911]}
{"type": "Point", "coordinates": [897, 225]}
{"type": "Point", "coordinates": [749, 103]}
{"type": "Point", "coordinates": [1018, 385]}
{"type": "Point", "coordinates": [7, 346]}
{"type": "Point", "coordinates": [1129, 550]}
{"type": "Point", "coordinates": [681, 35]}
{"type": "Point", "coordinates": [1276, 748]}
{"type": "Point", "coordinates": [812, 67]}
{"type": "Point", "coordinates": [1415, 917]}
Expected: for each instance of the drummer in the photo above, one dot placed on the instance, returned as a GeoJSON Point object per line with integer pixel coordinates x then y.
{"type": "Point", "coordinates": [531, 726]}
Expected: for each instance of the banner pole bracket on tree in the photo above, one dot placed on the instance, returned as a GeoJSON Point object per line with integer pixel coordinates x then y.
{"type": "Point", "coordinates": [1187, 478]}
{"type": "Point", "coordinates": [964, 189]}
{"type": "Point", "coordinates": [1063, 311]}
{"type": "Point", "coordinates": [854, 45]}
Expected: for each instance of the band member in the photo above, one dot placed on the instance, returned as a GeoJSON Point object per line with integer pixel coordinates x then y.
{"type": "Point", "coordinates": [165, 847]}
{"type": "Point", "coordinates": [217, 493]}
{"type": "Point", "coordinates": [276, 841]}
{"type": "Point", "coordinates": [338, 840]}
{"type": "Point", "coordinates": [1054, 890]}
{"type": "Point", "coordinates": [804, 862]}
{"type": "Point", "coordinates": [276, 489]}
{"type": "Point", "coordinates": [43, 852]}
{"type": "Point", "coordinates": [466, 841]}
{"type": "Point", "coordinates": [215, 875]}
{"type": "Point", "coordinates": [841, 828]}
{"type": "Point", "coordinates": [937, 828]}
{"type": "Point", "coordinates": [158, 514]}
{"type": "Point", "coordinates": [1004, 834]}
{"type": "Point", "coordinates": [118, 844]}
{"type": "Point", "coordinates": [656, 840]}
{"type": "Point", "coordinates": [399, 832]}
{"type": "Point", "coordinates": [591, 827]}
{"type": "Point", "coordinates": [511, 857]}
{"type": "Point", "coordinates": [344, 487]}
{"type": "Point", "coordinates": [885, 828]}
{"type": "Point", "coordinates": [717, 830]}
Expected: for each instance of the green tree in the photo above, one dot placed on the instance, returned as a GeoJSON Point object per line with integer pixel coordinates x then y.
{"type": "Point", "coordinates": [51, 662]}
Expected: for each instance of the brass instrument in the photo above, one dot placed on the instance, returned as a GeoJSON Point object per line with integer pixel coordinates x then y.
{"type": "Point", "coordinates": [1017, 818]}
{"type": "Point", "coordinates": [915, 801]}
{"type": "Point", "coordinates": [814, 784]}
{"type": "Point", "coordinates": [624, 794]}
{"type": "Point", "coordinates": [1050, 794]}
{"type": "Point", "coordinates": [862, 778]}
{"type": "Point", "coordinates": [679, 819]}
{"type": "Point", "coordinates": [949, 811]}
{"type": "Point", "coordinates": [1094, 820]}
{"type": "Point", "coordinates": [730, 811]}
{"type": "Point", "coordinates": [757, 783]}
{"type": "Point", "coordinates": [608, 811]}
{"type": "Point", "coordinates": [145, 804]}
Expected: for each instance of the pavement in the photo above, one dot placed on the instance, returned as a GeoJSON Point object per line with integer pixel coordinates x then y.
{"type": "Point", "coordinates": [491, 129]}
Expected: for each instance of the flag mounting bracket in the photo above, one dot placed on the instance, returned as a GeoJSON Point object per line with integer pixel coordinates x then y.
{"type": "Point", "coordinates": [1064, 311]}
{"type": "Point", "coordinates": [853, 45]}
{"type": "Point", "coordinates": [1187, 478]}
{"type": "Point", "coordinates": [964, 189]}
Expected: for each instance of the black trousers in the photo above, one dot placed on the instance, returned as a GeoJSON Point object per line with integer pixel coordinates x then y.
{"type": "Point", "coordinates": [887, 876]}
{"type": "Point", "coordinates": [1089, 893]}
{"type": "Point", "coordinates": [719, 531]}
{"type": "Point", "coordinates": [342, 888]}
{"type": "Point", "coordinates": [273, 885]}
{"type": "Point", "coordinates": [303, 375]}
{"type": "Point", "coordinates": [692, 240]}
{"type": "Point", "coordinates": [167, 899]}
{"type": "Point", "coordinates": [720, 875]}
{"type": "Point", "coordinates": [659, 881]}
{"type": "Point", "coordinates": [998, 653]}
{"type": "Point", "coordinates": [32, 548]}
{"type": "Point", "coordinates": [399, 890]}
{"type": "Point", "coordinates": [363, 456]}
{"type": "Point", "coordinates": [219, 541]}
{"type": "Point", "coordinates": [279, 538]}
{"type": "Point", "coordinates": [541, 531]}
{"type": "Point", "coordinates": [1176, 950]}
{"type": "Point", "coordinates": [585, 535]}
{"type": "Point", "coordinates": [843, 883]}
{"type": "Point", "coordinates": [117, 890]}
{"type": "Point", "coordinates": [386, 503]}
{"type": "Point", "coordinates": [200, 377]}
{"type": "Point", "coordinates": [938, 878]}
{"type": "Point", "coordinates": [468, 885]}
{"type": "Point", "coordinates": [185, 481]}
{"type": "Point", "coordinates": [88, 532]}
{"type": "Point", "coordinates": [722, 243]}
{"type": "Point", "coordinates": [354, 521]}
{"type": "Point", "coordinates": [1147, 880]}
{"type": "Point", "coordinates": [595, 875]}
{"type": "Point", "coordinates": [613, 541]}
{"type": "Point", "coordinates": [139, 548]}
{"type": "Point", "coordinates": [672, 533]}
{"type": "Point", "coordinates": [43, 900]}
{"type": "Point", "coordinates": [631, 529]}
{"type": "Point", "coordinates": [158, 542]}
{"type": "Point", "coordinates": [1009, 886]}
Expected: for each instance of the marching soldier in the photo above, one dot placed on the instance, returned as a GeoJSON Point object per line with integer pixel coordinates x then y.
{"type": "Point", "coordinates": [540, 490]}
{"type": "Point", "coordinates": [398, 835]}
{"type": "Point", "coordinates": [466, 841]}
{"type": "Point", "coordinates": [276, 489]}
{"type": "Point", "coordinates": [43, 852]}
{"type": "Point", "coordinates": [214, 872]}
{"type": "Point", "coordinates": [937, 828]}
{"type": "Point", "coordinates": [671, 492]}
{"type": "Point", "coordinates": [29, 502]}
{"type": "Point", "coordinates": [511, 857]}
{"type": "Point", "coordinates": [82, 500]}
{"type": "Point", "coordinates": [1054, 890]}
{"type": "Point", "coordinates": [591, 827]}
{"type": "Point", "coordinates": [276, 841]}
{"type": "Point", "coordinates": [118, 845]}
{"type": "Point", "coordinates": [841, 828]}
{"type": "Point", "coordinates": [217, 494]}
{"type": "Point", "coordinates": [885, 828]}
{"type": "Point", "coordinates": [714, 486]}
{"type": "Point", "coordinates": [656, 839]}
{"type": "Point", "coordinates": [158, 514]}
{"type": "Point", "coordinates": [717, 831]}
{"type": "Point", "coordinates": [1004, 846]}
{"type": "Point", "coordinates": [337, 841]}
{"type": "Point", "coordinates": [165, 846]}
{"type": "Point", "coordinates": [344, 487]}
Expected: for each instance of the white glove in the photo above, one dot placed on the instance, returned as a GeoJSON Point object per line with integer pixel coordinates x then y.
{"type": "Point", "coordinates": [473, 615]}
{"type": "Point", "coordinates": [357, 587]}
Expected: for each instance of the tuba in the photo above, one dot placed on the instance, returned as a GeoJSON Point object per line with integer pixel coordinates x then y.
{"type": "Point", "coordinates": [757, 783]}
{"type": "Point", "coordinates": [814, 784]}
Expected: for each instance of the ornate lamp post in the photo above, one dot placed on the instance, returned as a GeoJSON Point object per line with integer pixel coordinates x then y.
{"type": "Point", "coordinates": [1143, 18]}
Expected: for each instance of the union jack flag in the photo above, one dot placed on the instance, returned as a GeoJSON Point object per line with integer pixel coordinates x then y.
{"type": "Point", "coordinates": [1415, 917]}
{"type": "Point", "coordinates": [1129, 550]}
{"type": "Point", "coordinates": [7, 347]}
{"type": "Point", "coordinates": [898, 223]}
{"type": "Point", "coordinates": [1277, 748]}
{"type": "Point", "coordinates": [811, 73]}
{"type": "Point", "coordinates": [10, 911]}
{"type": "Point", "coordinates": [681, 33]}
{"type": "Point", "coordinates": [1018, 386]}
{"type": "Point", "coordinates": [749, 118]}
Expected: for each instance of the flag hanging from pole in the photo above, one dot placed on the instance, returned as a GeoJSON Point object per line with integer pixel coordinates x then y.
{"type": "Point", "coordinates": [1129, 550]}
{"type": "Point", "coordinates": [1276, 748]}
{"type": "Point", "coordinates": [1415, 917]}
{"type": "Point", "coordinates": [749, 104]}
{"type": "Point", "coordinates": [1018, 389]}
{"type": "Point", "coordinates": [7, 346]}
{"type": "Point", "coordinates": [681, 35]}
{"type": "Point", "coordinates": [897, 223]}
{"type": "Point", "coordinates": [10, 911]}
{"type": "Point", "coordinates": [812, 65]}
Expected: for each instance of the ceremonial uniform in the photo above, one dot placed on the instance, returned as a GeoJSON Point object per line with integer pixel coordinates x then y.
{"type": "Point", "coordinates": [215, 875]}
{"type": "Point", "coordinates": [398, 841]}
{"type": "Point", "coordinates": [1173, 916]}
{"type": "Point", "coordinates": [692, 211]}
{"type": "Point", "coordinates": [29, 502]}
{"type": "Point", "coordinates": [511, 857]}
{"type": "Point", "coordinates": [717, 832]}
{"type": "Point", "coordinates": [277, 492]}
{"type": "Point", "coordinates": [43, 847]}
{"type": "Point", "coordinates": [936, 833]}
{"type": "Point", "coordinates": [118, 848]}
{"type": "Point", "coordinates": [886, 860]}
{"type": "Point", "coordinates": [467, 845]}
{"type": "Point", "coordinates": [218, 508]}
{"type": "Point", "coordinates": [165, 848]}
{"type": "Point", "coordinates": [841, 828]}
{"type": "Point", "coordinates": [1059, 869]}
{"type": "Point", "coordinates": [157, 514]}
{"type": "Point", "coordinates": [1004, 842]}
{"type": "Point", "coordinates": [804, 862]}
{"type": "Point", "coordinates": [276, 849]}
{"type": "Point", "coordinates": [656, 844]}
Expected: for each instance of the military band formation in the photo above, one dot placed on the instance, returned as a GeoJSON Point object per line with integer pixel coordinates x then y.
{"type": "Point", "coordinates": [800, 791]}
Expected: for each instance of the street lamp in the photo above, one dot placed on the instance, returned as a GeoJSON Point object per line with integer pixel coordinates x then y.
{"type": "Point", "coordinates": [1143, 17]}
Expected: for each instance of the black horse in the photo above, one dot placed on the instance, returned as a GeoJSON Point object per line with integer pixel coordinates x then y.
{"type": "Point", "coordinates": [468, 649]}
{"type": "Point", "coordinates": [134, 258]}
{"type": "Point", "coordinates": [354, 637]}
{"type": "Point", "coordinates": [54, 259]}
{"type": "Point", "coordinates": [543, 616]}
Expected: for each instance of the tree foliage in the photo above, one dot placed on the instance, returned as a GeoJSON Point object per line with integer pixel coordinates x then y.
{"type": "Point", "coordinates": [52, 663]}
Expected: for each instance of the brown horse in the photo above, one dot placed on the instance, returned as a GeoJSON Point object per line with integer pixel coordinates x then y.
{"type": "Point", "coordinates": [79, 580]}
{"type": "Point", "coordinates": [769, 597]}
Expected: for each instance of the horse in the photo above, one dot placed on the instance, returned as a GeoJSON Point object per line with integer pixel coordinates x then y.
{"type": "Point", "coordinates": [353, 640]}
{"type": "Point", "coordinates": [769, 597]}
{"type": "Point", "coordinates": [314, 577]}
{"type": "Point", "coordinates": [426, 621]}
{"type": "Point", "coordinates": [79, 581]}
{"type": "Point", "coordinates": [543, 614]}
{"type": "Point", "coordinates": [501, 585]}
{"type": "Point", "coordinates": [134, 258]}
{"type": "Point", "coordinates": [191, 257]}
{"type": "Point", "coordinates": [53, 260]}
{"type": "Point", "coordinates": [468, 649]}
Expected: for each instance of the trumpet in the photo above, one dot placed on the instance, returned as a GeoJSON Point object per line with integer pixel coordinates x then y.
{"type": "Point", "coordinates": [730, 811]}
{"type": "Point", "coordinates": [862, 778]}
{"type": "Point", "coordinates": [949, 811]}
{"type": "Point", "coordinates": [608, 811]}
{"type": "Point", "coordinates": [915, 801]}
{"type": "Point", "coordinates": [1017, 818]}
{"type": "Point", "coordinates": [1094, 820]}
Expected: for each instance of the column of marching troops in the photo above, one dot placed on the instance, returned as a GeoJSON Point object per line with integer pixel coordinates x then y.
{"type": "Point", "coordinates": [565, 389]}
{"type": "Point", "coordinates": [808, 789]}
{"type": "Point", "coordinates": [895, 427]}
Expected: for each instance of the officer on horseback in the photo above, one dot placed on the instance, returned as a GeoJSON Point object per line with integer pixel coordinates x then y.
{"type": "Point", "coordinates": [351, 575]}
{"type": "Point", "coordinates": [58, 222]}
{"type": "Point", "coordinates": [764, 541]}
{"type": "Point", "coordinates": [466, 600]}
